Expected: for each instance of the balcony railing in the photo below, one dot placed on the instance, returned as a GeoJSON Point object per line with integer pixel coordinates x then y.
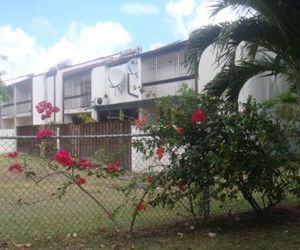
{"type": "Point", "coordinates": [163, 67]}
{"type": "Point", "coordinates": [8, 109]}
{"type": "Point", "coordinates": [77, 102]}
{"type": "Point", "coordinates": [24, 107]}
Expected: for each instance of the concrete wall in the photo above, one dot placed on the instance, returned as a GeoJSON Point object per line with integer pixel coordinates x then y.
{"type": "Point", "coordinates": [58, 117]}
{"type": "Point", "coordinates": [42, 89]}
{"type": "Point", "coordinates": [208, 68]}
{"type": "Point", "coordinates": [139, 163]}
{"type": "Point", "coordinates": [260, 88]}
{"type": "Point", "coordinates": [7, 145]}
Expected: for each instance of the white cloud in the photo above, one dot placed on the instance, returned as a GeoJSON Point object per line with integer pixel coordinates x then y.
{"type": "Point", "coordinates": [42, 24]}
{"type": "Point", "coordinates": [80, 43]}
{"type": "Point", "coordinates": [139, 8]}
{"type": "Point", "coordinates": [177, 11]}
{"type": "Point", "coordinates": [202, 16]}
{"type": "Point", "coordinates": [188, 15]}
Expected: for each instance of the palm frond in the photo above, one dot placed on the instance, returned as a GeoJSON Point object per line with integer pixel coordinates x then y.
{"type": "Point", "coordinates": [284, 14]}
{"type": "Point", "coordinates": [198, 41]}
{"type": "Point", "coordinates": [254, 32]}
{"type": "Point", "coordinates": [231, 79]}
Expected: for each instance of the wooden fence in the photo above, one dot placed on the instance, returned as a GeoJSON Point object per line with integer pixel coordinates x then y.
{"type": "Point", "coordinates": [102, 149]}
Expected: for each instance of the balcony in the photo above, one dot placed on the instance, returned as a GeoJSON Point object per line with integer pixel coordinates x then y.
{"type": "Point", "coordinates": [163, 67]}
{"type": "Point", "coordinates": [77, 102]}
{"type": "Point", "coordinates": [24, 108]}
{"type": "Point", "coordinates": [8, 110]}
{"type": "Point", "coordinates": [77, 92]}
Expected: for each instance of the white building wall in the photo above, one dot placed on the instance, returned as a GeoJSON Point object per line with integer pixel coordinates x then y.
{"type": "Point", "coordinates": [260, 88]}
{"type": "Point", "coordinates": [208, 68]}
{"type": "Point", "coordinates": [42, 89]}
{"type": "Point", "coordinates": [49, 88]}
{"type": "Point", "coordinates": [99, 87]}
{"type": "Point", "coordinates": [58, 117]}
{"type": "Point", "coordinates": [38, 91]}
{"type": "Point", "coordinates": [116, 96]}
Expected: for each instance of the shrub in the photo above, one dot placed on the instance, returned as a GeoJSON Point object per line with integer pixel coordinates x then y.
{"type": "Point", "coordinates": [210, 146]}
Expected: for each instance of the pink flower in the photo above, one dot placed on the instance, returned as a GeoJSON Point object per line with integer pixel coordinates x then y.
{"type": "Point", "coordinates": [45, 133]}
{"type": "Point", "coordinates": [15, 168]}
{"type": "Point", "coordinates": [55, 109]}
{"type": "Point", "coordinates": [80, 181]}
{"type": "Point", "coordinates": [12, 154]}
{"type": "Point", "coordinates": [198, 116]}
{"type": "Point", "coordinates": [180, 130]}
{"type": "Point", "coordinates": [64, 158]}
{"type": "Point", "coordinates": [46, 109]}
{"type": "Point", "coordinates": [139, 122]}
{"type": "Point", "coordinates": [113, 166]}
{"type": "Point", "coordinates": [85, 164]}
{"type": "Point", "coordinates": [160, 152]}
{"type": "Point", "coordinates": [141, 207]}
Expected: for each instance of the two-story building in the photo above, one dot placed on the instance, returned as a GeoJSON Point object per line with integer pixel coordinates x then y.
{"type": "Point", "coordinates": [117, 86]}
{"type": "Point", "coordinates": [17, 109]}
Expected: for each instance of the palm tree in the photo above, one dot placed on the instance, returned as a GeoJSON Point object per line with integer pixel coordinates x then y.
{"type": "Point", "coordinates": [268, 37]}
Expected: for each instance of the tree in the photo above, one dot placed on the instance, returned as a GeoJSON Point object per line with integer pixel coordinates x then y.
{"type": "Point", "coordinates": [268, 36]}
{"type": "Point", "coordinates": [3, 95]}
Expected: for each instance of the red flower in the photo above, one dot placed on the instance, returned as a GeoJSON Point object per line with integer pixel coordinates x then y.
{"type": "Point", "coordinates": [15, 168]}
{"type": "Point", "coordinates": [198, 116]}
{"type": "Point", "coordinates": [180, 130]}
{"type": "Point", "coordinates": [45, 133]}
{"type": "Point", "coordinates": [141, 207]}
{"type": "Point", "coordinates": [181, 185]}
{"type": "Point", "coordinates": [12, 154]}
{"type": "Point", "coordinates": [85, 164]}
{"type": "Point", "coordinates": [139, 122]}
{"type": "Point", "coordinates": [150, 178]}
{"type": "Point", "coordinates": [64, 158]}
{"type": "Point", "coordinates": [160, 152]}
{"type": "Point", "coordinates": [113, 166]}
{"type": "Point", "coordinates": [80, 181]}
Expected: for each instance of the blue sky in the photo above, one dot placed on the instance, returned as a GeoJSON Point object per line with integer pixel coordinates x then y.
{"type": "Point", "coordinates": [37, 34]}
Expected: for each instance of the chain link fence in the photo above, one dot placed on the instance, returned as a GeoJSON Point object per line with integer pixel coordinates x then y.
{"type": "Point", "coordinates": [38, 201]}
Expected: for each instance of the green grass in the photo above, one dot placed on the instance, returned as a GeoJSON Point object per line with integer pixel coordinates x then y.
{"type": "Point", "coordinates": [278, 231]}
{"type": "Point", "coordinates": [30, 212]}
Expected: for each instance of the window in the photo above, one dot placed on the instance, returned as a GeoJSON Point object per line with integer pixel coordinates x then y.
{"type": "Point", "coordinates": [163, 67]}
{"type": "Point", "coordinates": [77, 91]}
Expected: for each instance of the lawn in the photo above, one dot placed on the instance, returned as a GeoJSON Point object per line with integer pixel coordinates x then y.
{"type": "Point", "coordinates": [280, 230]}
{"type": "Point", "coordinates": [32, 212]}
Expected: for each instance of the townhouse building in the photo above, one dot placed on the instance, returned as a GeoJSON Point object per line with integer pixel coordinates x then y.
{"type": "Point", "coordinates": [117, 86]}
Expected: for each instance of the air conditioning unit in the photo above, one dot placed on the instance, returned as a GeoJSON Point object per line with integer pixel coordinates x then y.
{"type": "Point", "coordinates": [99, 101]}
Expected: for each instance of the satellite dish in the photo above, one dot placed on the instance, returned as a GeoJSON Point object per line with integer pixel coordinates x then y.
{"type": "Point", "coordinates": [132, 67]}
{"type": "Point", "coordinates": [116, 79]}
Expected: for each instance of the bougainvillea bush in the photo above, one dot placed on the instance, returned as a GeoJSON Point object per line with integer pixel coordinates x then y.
{"type": "Point", "coordinates": [216, 149]}
{"type": "Point", "coordinates": [75, 170]}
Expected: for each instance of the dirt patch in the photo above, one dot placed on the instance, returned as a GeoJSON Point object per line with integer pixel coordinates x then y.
{"type": "Point", "coordinates": [236, 222]}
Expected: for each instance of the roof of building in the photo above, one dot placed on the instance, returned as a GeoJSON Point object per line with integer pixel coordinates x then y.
{"type": "Point", "coordinates": [165, 49]}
